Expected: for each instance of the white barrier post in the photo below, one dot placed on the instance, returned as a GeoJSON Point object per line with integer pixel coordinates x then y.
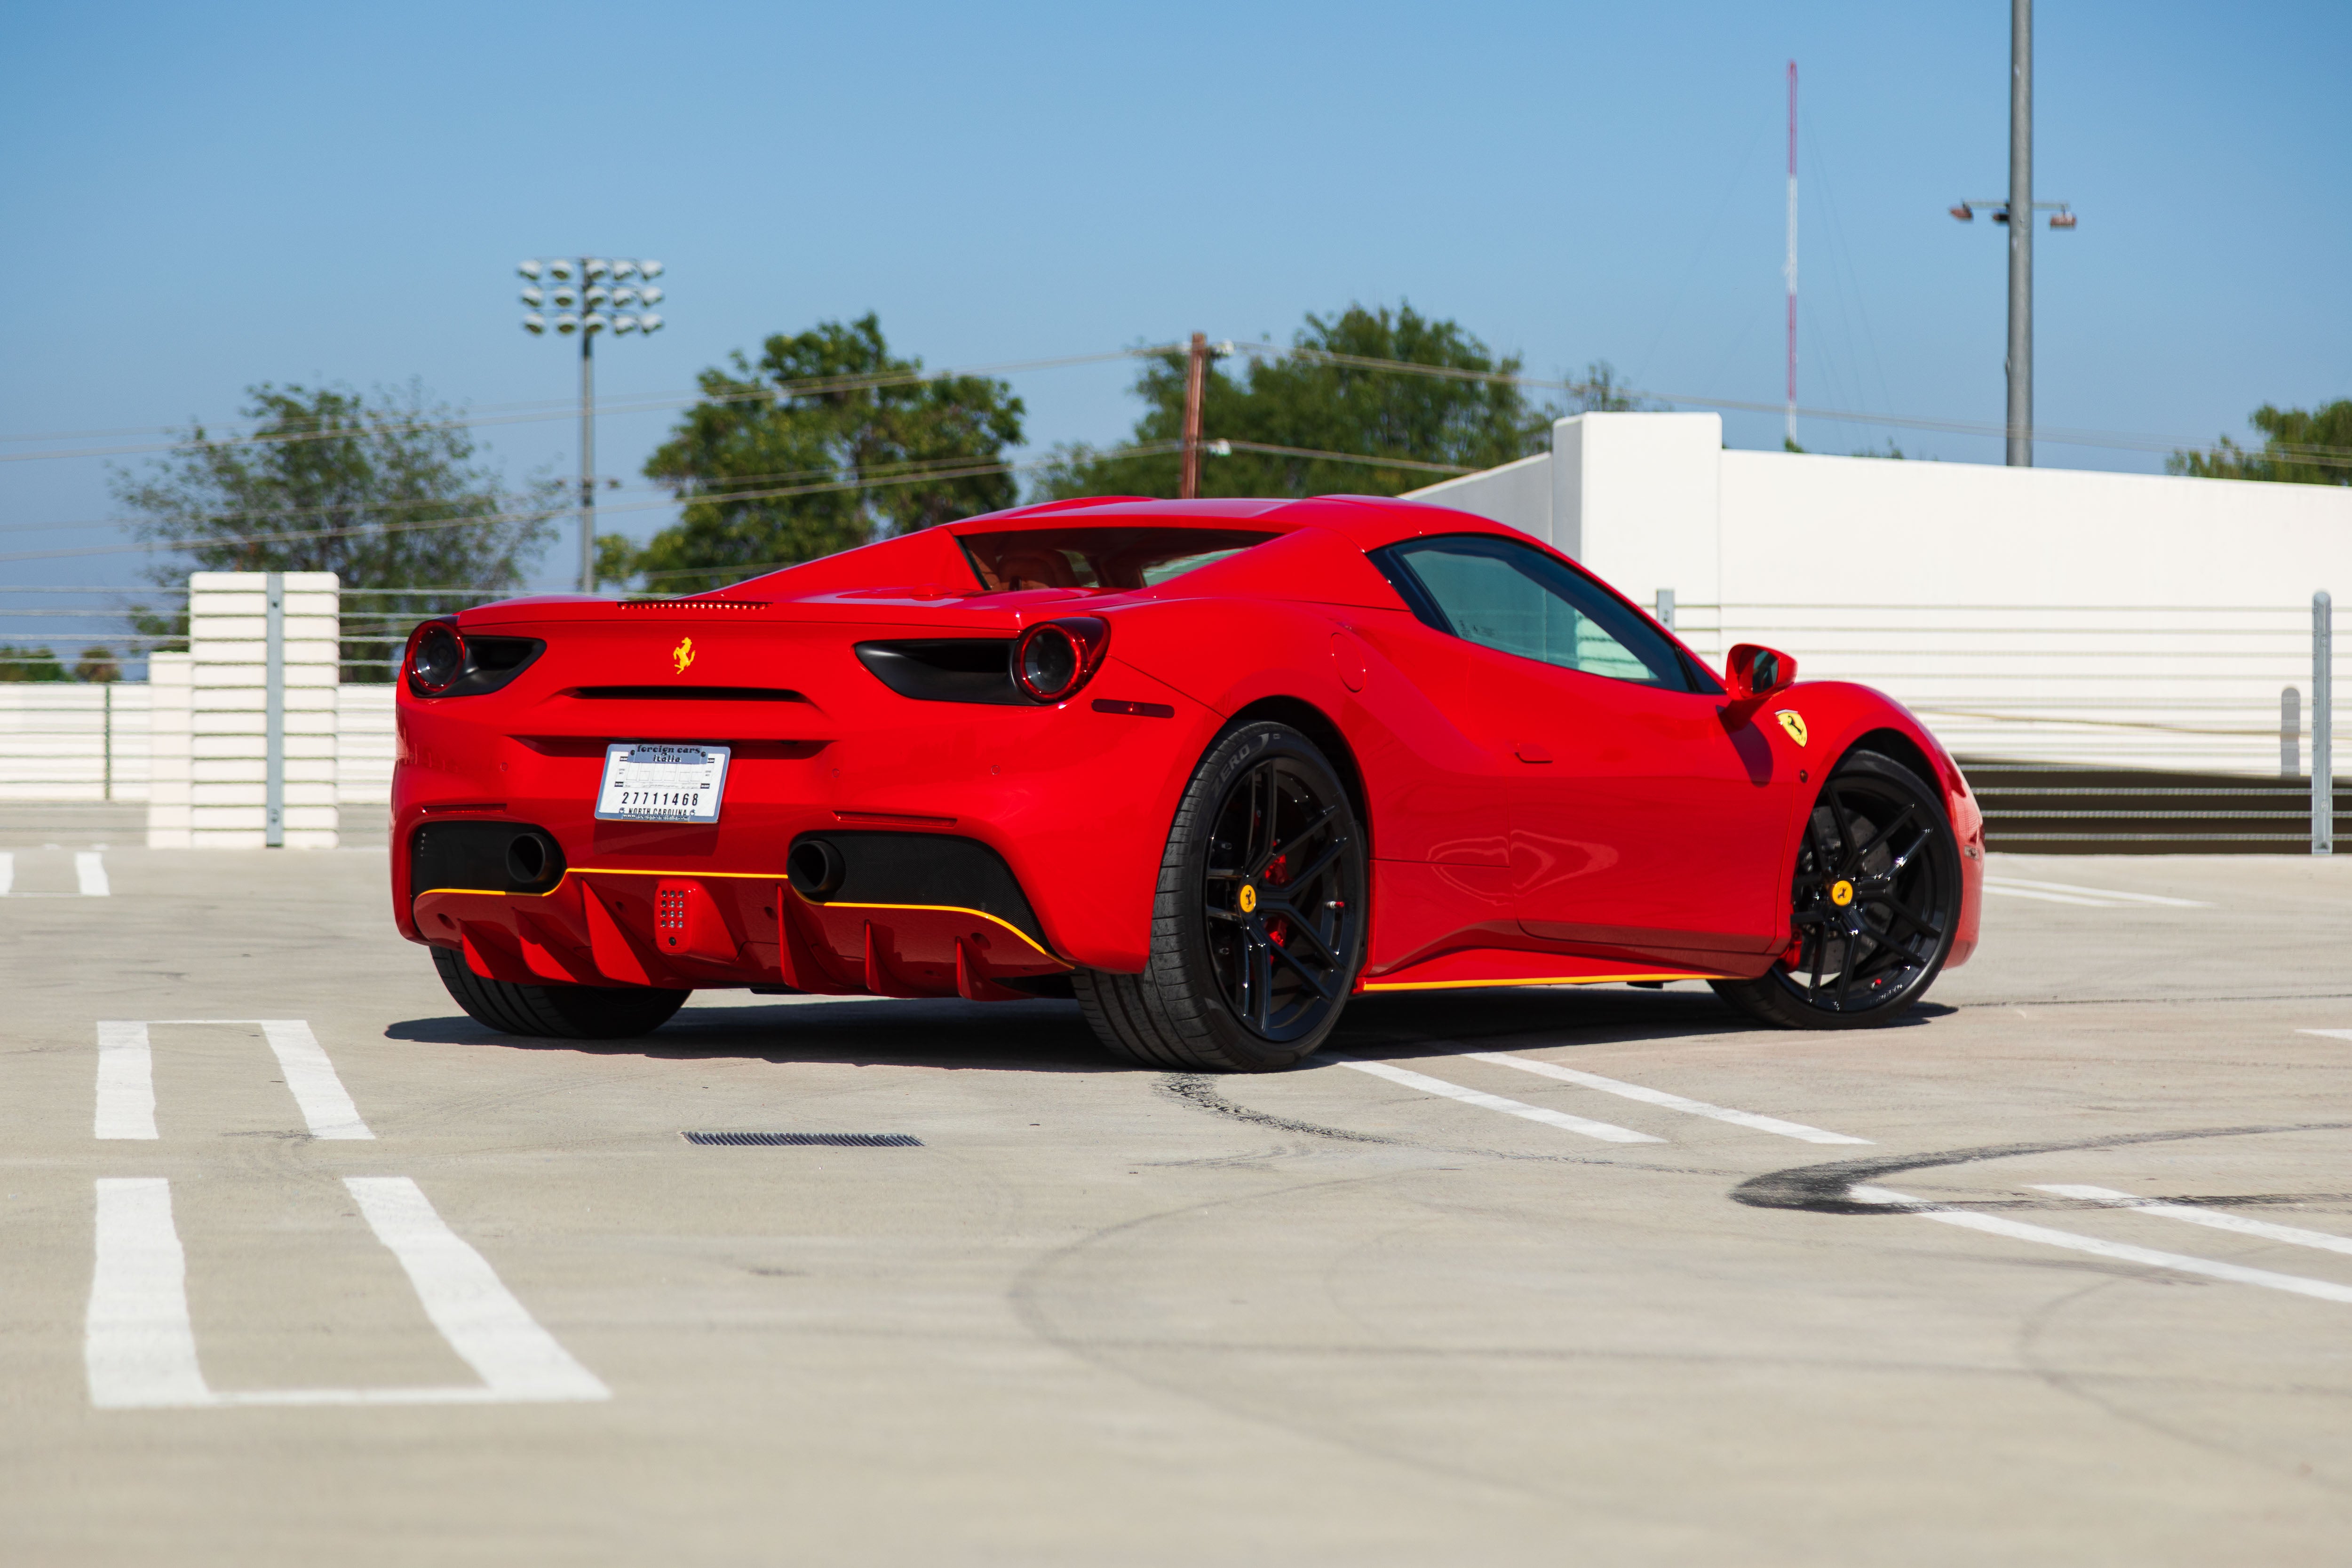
{"type": "Point", "coordinates": [2323, 772]}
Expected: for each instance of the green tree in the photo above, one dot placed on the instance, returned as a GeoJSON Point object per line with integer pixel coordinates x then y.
{"type": "Point", "coordinates": [388, 494]}
{"type": "Point", "coordinates": [98, 664]}
{"type": "Point", "coordinates": [1312, 404]}
{"type": "Point", "coordinates": [828, 441]}
{"type": "Point", "coordinates": [2299, 446]}
{"type": "Point", "coordinates": [30, 664]}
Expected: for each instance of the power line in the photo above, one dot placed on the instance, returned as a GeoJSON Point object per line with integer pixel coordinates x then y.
{"type": "Point", "coordinates": [811, 387]}
{"type": "Point", "coordinates": [937, 468]}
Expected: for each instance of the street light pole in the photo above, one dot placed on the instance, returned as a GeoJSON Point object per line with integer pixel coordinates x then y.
{"type": "Point", "coordinates": [588, 462]}
{"type": "Point", "coordinates": [2021, 234]}
{"type": "Point", "coordinates": [584, 291]}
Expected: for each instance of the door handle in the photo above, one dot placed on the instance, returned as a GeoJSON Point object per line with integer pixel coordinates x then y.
{"type": "Point", "coordinates": [1529, 752]}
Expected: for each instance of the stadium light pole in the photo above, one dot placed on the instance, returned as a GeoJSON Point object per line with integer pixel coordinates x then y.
{"type": "Point", "coordinates": [2020, 232]}
{"type": "Point", "coordinates": [590, 294]}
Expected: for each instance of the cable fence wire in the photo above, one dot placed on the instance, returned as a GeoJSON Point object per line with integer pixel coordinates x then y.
{"type": "Point", "coordinates": [2083, 728]}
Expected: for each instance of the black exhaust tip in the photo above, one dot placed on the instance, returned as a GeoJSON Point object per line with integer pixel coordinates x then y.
{"type": "Point", "coordinates": [816, 868]}
{"type": "Point", "coordinates": [533, 858]}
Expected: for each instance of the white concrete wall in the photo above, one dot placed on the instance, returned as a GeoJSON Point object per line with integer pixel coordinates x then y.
{"type": "Point", "coordinates": [365, 745]}
{"type": "Point", "coordinates": [71, 742]}
{"type": "Point", "coordinates": [225, 761]}
{"type": "Point", "coordinates": [2043, 615]}
{"type": "Point", "coordinates": [1508, 495]}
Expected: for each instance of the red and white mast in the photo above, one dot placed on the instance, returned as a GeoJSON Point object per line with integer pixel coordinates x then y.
{"type": "Point", "coordinates": [1792, 254]}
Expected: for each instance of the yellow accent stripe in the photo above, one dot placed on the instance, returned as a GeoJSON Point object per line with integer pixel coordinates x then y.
{"type": "Point", "coordinates": [940, 910]}
{"type": "Point", "coordinates": [765, 876]}
{"type": "Point", "coordinates": [1555, 980]}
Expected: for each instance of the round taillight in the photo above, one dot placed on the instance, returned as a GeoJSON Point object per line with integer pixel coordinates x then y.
{"type": "Point", "coordinates": [1053, 660]}
{"type": "Point", "coordinates": [437, 658]}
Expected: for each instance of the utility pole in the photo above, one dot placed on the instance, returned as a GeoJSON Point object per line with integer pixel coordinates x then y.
{"type": "Point", "coordinates": [2021, 234]}
{"type": "Point", "coordinates": [1790, 438]}
{"type": "Point", "coordinates": [1196, 373]}
{"type": "Point", "coordinates": [2017, 212]}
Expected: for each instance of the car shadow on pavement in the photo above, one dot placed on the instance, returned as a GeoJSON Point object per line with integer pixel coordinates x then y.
{"type": "Point", "coordinates": [1446, 1023]}
{"type": "Point", "coordinates": [1026, 1036]}
{"type": "Point", "coordinates": [1052, 1037]}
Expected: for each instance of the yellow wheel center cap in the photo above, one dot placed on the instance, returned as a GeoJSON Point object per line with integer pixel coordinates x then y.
{"type": "Point", "coordinates": [1841, 893]}
{"type": "Point", "coordinates": [1249, 898]}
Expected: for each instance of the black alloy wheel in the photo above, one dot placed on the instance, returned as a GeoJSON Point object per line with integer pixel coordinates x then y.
{"type": "Point", "coordinates": [1873, 905]}
{"type": "Point", "coordinates": [1258, 927]}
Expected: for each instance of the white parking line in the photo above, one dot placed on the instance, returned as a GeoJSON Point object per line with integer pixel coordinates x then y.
{"type": "Point", "coordinates": [126, 1076]}
{"type": "Point", "coordinates": [2097, 898]}
{"type": "Point", "coordinates": [89, 872]}
{"type": "Point", "coordinates": [1659, 1096]}
{"type": "Point", "coordinates": [326, 1106]}
{"type": "Point", "coordinates": [2328, 1034]}
{"type": "Point", "coordinates": [1561, 1119]}
{"type": "Point", "coordinates": [2122, 1252]}
{"type": "Point", "coordinates": [139, 1343]}
{"type": "Point", "coordinates": [138, 1346]}
{"type": "Point", "coordinates": [126, 1081]}
{"type": "Point", "coordinates": [7, 872]}
{"type": "Point", "coordinates": [2322, 1240]}
{"type": "Point", "coordinates": [478, 1315]}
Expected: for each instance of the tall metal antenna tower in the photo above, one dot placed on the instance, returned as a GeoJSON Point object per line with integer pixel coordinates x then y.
{"type": "Point", "coordinates": [1791, 436]}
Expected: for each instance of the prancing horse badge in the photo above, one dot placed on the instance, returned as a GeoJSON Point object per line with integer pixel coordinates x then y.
{"type": "Point", "coordinates": [683, 655]}
{"type": "Point", "coordinates": [1792, 721]}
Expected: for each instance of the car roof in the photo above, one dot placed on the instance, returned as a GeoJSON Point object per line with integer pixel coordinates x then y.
{"type": "Point", "coordinates": [1367, 521]}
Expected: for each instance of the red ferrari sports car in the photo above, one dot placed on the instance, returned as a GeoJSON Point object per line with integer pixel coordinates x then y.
{"type": "Point", "coordinates": [1211, 767]}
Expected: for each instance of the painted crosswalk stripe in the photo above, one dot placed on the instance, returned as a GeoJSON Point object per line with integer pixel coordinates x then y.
{"type": "Point", "coordinates": [1659, 1096]}
{"type": "Point", "coordinates": [90, 874]}
{"type": "Point", "coordinates": [2121, 1252]}
{"type": "Point", "coordinates": [126, 1081]}
{"type": "Point", "coordinates": [1560, 1119]}
{"type": "Point", "coordinates": [2191, 1215]}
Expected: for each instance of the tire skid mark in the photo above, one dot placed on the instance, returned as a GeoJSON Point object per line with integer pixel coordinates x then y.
{"type": "Point", "coordinates": [1198, 1091]}
{"type": "Point", "coordinates": [1824, 1189]}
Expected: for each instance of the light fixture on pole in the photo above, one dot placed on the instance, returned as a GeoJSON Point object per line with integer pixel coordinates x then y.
{"type": "Point", "coordinates": [2021, 234]}
{"type": "Point", "coordinates": [588, 295]}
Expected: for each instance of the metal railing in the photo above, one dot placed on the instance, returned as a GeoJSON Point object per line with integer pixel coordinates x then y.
{"type": "Point", "coordinates": [2083, 728]}
{"type": "Point", "coordinates": [2125, 729]}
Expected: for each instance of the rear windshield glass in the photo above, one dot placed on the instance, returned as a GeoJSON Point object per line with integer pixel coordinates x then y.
{"type": "Point", "coordinates": [1109, 559]}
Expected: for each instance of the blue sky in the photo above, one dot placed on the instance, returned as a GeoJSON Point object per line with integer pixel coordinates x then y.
{"type": "Point", "coordinates": [203, 197]}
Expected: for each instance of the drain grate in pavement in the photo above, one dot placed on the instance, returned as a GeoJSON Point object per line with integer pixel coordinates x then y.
{"type": "Point", "coordinates": [824, 1139]}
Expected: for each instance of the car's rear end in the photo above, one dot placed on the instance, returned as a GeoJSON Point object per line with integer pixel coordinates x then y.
{"type": "Point", "coordinates": [832, 786]}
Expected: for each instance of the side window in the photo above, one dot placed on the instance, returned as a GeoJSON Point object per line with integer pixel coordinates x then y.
{"type": "Point", "coordinates": [1504, 595]}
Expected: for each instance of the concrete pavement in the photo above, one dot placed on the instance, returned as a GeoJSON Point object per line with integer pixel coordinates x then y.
{"type": "Point", "coordinates": [1108, 1315]}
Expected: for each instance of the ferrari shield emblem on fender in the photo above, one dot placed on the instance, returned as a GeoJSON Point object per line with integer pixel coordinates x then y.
{"type": "Point", "coordinates": [683, 655]}
{"type": "Point", "coordinates": [1790, 721]}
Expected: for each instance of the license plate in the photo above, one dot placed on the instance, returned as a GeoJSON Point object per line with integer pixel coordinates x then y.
{"type": "Point", "coordinates": [650, 783]}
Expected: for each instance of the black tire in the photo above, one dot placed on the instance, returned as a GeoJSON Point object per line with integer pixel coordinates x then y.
{"type": "Point", "coordinates": [556, 1012]}
{"type": "Point", "coordinates": [1874, 904]}
{"type": "Point", "coordinates": [1252, 958]}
